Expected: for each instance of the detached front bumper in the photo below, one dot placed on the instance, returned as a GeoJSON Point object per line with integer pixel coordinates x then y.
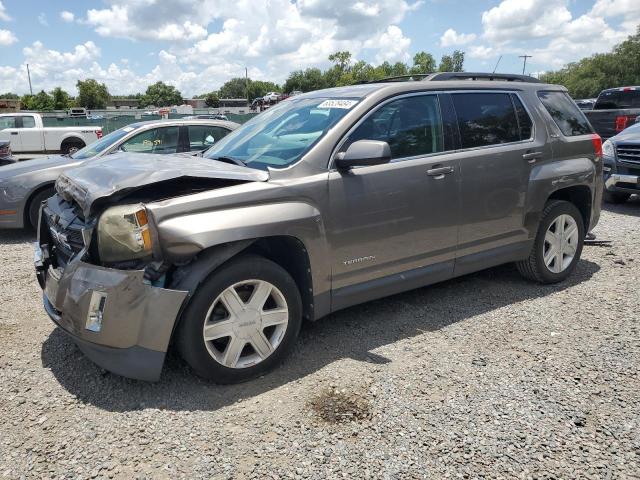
{"type": "Point", "coordinates": [120, 322]}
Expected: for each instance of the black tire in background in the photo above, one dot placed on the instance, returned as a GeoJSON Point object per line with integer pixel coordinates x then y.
{"type": "Point", "coordinates": [533, 267]}
{"type": "Point", "coordinates": [614, 197]}
{"type": "Point", "coordinates": [189, 335]}
{"type": "Point", "coordinates": [34, 206]}
{"type": "Point", "coordinates": [71, 146]}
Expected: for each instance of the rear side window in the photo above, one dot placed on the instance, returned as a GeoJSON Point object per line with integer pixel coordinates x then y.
{"type": "Point", "coordinates": [525, 125]}
{"type": "Point", "coordinates": [7, 122]}
{"type": "Point", "coordinates": [412, 126]}
{"type": "Point", "coordinates": [617, 99]}
{"type": "Point", "coordinates": [28, 122]}
{"type": "Point", "coordinates": [565, 113]}
{"type": "Point", "coordinates": [202, 137]}
{"type": "Point", "coordinates": [485, 119]}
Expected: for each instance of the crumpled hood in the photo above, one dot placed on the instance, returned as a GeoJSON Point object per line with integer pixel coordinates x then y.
{"type": "Point", "coordinates": [125, 172]}
{"type": "Point", "coordinates": [28, 166]}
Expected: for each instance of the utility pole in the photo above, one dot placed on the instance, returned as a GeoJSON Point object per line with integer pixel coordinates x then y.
{"type": "Point", "coordinates": [29, 76]}
{"type": "Point", "coordinates": [524, 64]}
{"type": "Point", "coordinates": [246, 84]}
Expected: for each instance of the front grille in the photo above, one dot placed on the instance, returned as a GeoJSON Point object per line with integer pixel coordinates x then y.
{"type": "Point", "coordinates": [629, 154]}
{"type": "Point", "coordinates": [66, 237]}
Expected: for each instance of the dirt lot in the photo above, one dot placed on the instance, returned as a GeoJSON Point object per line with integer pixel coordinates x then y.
{"type": "Point", "coordinates": [484, 376]}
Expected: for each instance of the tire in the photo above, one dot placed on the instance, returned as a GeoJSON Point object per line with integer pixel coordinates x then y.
{"type": "Point", "coordinates": [71, 146]}
{"type": "Point", "coordinates": [614, 197]}
{"type": "Point", "coordinates": [534, 267]}
{"type": "Point", "coordinates": [34, 206]}
{"type": "Point", "coordinates": [212, 359]}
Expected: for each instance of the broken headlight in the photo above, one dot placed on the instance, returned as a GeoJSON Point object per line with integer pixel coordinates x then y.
{"type": "Point", "coordinates": [123, 234]}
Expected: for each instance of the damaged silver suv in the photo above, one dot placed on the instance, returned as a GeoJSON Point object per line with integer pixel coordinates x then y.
{"type": "Point", "coordinates": [326, 200]}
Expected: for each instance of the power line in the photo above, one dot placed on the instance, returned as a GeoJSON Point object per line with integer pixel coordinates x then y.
{"type": "Point", "coordinates": [524, 64]}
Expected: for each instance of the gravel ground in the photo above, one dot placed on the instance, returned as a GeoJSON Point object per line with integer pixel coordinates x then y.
{"type": "Point", "coordinates": [486, 376]}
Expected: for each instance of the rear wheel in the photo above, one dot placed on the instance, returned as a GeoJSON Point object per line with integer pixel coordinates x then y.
{"type": "Point", "coordinates": [70, 147]}
{"type": "Point", "coordinates": [615, 197]}
{"type": "Point", "coordinates": [557, 246]}
{"type": "Point", "coordinates": [241, 322]}
{"type": "Point", "coordinates": [34, 206]}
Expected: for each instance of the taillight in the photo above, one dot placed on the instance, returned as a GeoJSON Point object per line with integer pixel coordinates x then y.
{"type": "Point", "coordinates": [621, 123]}
{"type": "Point", "coordinates": [597, 145]}
{"type": "Point", "coordinates": [99, 134]}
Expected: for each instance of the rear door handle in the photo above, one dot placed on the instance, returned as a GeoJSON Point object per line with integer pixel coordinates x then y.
{"type": "Point", "coordinates": [532, 156]}
{"type": "Point", "coordinates": [14, 133]}
{"type": "Point", "coordinates": [439, 171]}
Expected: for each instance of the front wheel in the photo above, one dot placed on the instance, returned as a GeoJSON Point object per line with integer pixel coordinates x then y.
{"type": "Point", "coordinates": [242, 321]}
{"type": "Point", "coordinates": [34, 206]}
{"type": "Point", "coordinates": [557, 246]}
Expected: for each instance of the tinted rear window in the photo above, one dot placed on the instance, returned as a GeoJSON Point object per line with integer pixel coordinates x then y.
{"type": "Point", "coordinates": [485, 119]}
{"type": "Point", "coordinates": [616, 99]}
{"type": "Point", "coordinates": [565, 113]}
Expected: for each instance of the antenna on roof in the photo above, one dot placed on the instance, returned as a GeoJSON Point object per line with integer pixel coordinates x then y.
{"type": "Point", "coordinates": [497, 63]}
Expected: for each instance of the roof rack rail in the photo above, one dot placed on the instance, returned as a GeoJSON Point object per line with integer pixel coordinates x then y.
{"type": "Point", "coordinates": [508, 77]}
{"type": "Point", "coordinates": [441, 76]}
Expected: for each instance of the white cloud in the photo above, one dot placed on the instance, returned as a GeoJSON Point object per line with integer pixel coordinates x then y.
{"type": "Point", "coordinates": [42, 20]}
{"type": "Point", "coordinates": [67, 16]}
{"type": "Point", "coordinates": [452, 38]}
{"type": "Point", "coordinates": [3, 13]}
{"type": "Point", "coordinates": [481, 52]}
{"type": "Point", "coordinates": [392, 45]}
{"type": "Point", "coordinates": [7, 37]}
{"type": "Point", "coordinates": [525, 19]}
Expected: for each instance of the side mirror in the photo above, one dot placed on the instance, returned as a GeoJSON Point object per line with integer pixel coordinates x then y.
{"type": "Point", "coordinates": [363, 153]}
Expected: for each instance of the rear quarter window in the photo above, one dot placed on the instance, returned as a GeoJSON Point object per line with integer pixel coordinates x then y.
{"type": "Point", "coordinates": [618, 99]}
{"type": "Point", "coordinates": [565, 113]}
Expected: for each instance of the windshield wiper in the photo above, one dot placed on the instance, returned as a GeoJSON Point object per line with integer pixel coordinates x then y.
{"type": "Point", "coordinates": [234, 161]}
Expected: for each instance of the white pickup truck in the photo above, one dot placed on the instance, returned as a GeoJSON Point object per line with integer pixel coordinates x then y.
{"type": "Point", "coordinates": [27, 134]}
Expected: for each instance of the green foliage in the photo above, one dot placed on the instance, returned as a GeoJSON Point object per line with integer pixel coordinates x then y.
{"type": "Point", "coordinates": [61, 99]}
{"type": "Point", "coordinates": [10, 96]}
{"type": "Point", "coordinates": [345, 72]}
{"type": "Point", "coordinates": [41, 102]}
{"type": "Point", "coordinates": [589, 76]}
{"type": "Point", "coordinates": [258, 88]}
{"type": "Point", "coordinates": [161, 95]}
{"type": "Point", "coordinates": [211, 100]}
{"type": "Point", "coordinates": [92, 94]}
{"type": "Point", "coordinates": [234, 88]}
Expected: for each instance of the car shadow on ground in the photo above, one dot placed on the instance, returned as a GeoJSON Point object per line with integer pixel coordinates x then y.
{"type": "Point", "coordinates": [630, 207]}
{"type": "Point", "coordinates": [351, 333]}
{"type": "Point", "coordinates": [14, 237]}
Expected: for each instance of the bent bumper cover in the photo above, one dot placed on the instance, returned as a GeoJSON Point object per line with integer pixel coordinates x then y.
{"type": "Point", "coordinates": [135, 320]}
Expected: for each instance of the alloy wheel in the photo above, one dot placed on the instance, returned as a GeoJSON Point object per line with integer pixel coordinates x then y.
{"type": "Point", "coordinates": [246, 323]}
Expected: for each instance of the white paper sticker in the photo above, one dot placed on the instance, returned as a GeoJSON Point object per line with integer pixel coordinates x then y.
{"type": "Point", "coordinates": [345, 104]}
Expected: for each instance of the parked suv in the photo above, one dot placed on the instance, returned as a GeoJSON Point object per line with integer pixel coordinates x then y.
{"type": "Point", "coordinates": [327, 200]}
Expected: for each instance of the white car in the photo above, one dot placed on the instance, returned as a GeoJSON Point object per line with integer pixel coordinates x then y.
{"type": "Point", "coordinates": [27, 134]}
{"type": "Point", "coordinates": [271, 97]}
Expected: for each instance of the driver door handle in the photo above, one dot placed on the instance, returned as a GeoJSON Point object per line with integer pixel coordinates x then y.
{"type": "Point", "coordinates": [532, 156]}
{"type": "Point", "coordinates": [439, 171]}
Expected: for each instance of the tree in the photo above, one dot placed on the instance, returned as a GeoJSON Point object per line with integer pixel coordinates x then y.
{"type": "Point", "coordinates": [342, 60]}
{"type": "Point", "coordinates": [211, 100]}
{"type": "Point", "coordinates": [9, 96]}
{"type": "Point", "coordinates": [41, 102]}
{"type": "Point", "coordinates": [161, 95]}
{"type": "Point", "coordinates": [446, 64]}
{"type": "Point", "coordinates": [423, 62]}
{"type": "Point", "coordinates": [234, 88]}
{"type": "Point", "coordinates": [92, 94]}
{"type": "Point", "coordinates": [61, 99]}
{"type": "Point", "coordinates": [589, 76]}
{"type": "Point", "coordinates": [259, 88]}
{"type": "Point", "coordinates": [305, 81]}
{"type": "Point", "coordinates": [457, 60]}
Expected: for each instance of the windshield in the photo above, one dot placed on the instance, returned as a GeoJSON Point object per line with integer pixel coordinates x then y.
{"type": "Point", "coordinates": [281, 135]}
{"type": "Point", "coordinates": [105, 142]}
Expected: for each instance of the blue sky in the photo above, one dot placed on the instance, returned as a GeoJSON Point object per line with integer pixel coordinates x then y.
{"type": "Point", "coordinates": [197, 45]}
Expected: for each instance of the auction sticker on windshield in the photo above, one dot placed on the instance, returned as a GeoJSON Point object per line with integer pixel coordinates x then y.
{"type": "Point", "coordinates": [346, 104]}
